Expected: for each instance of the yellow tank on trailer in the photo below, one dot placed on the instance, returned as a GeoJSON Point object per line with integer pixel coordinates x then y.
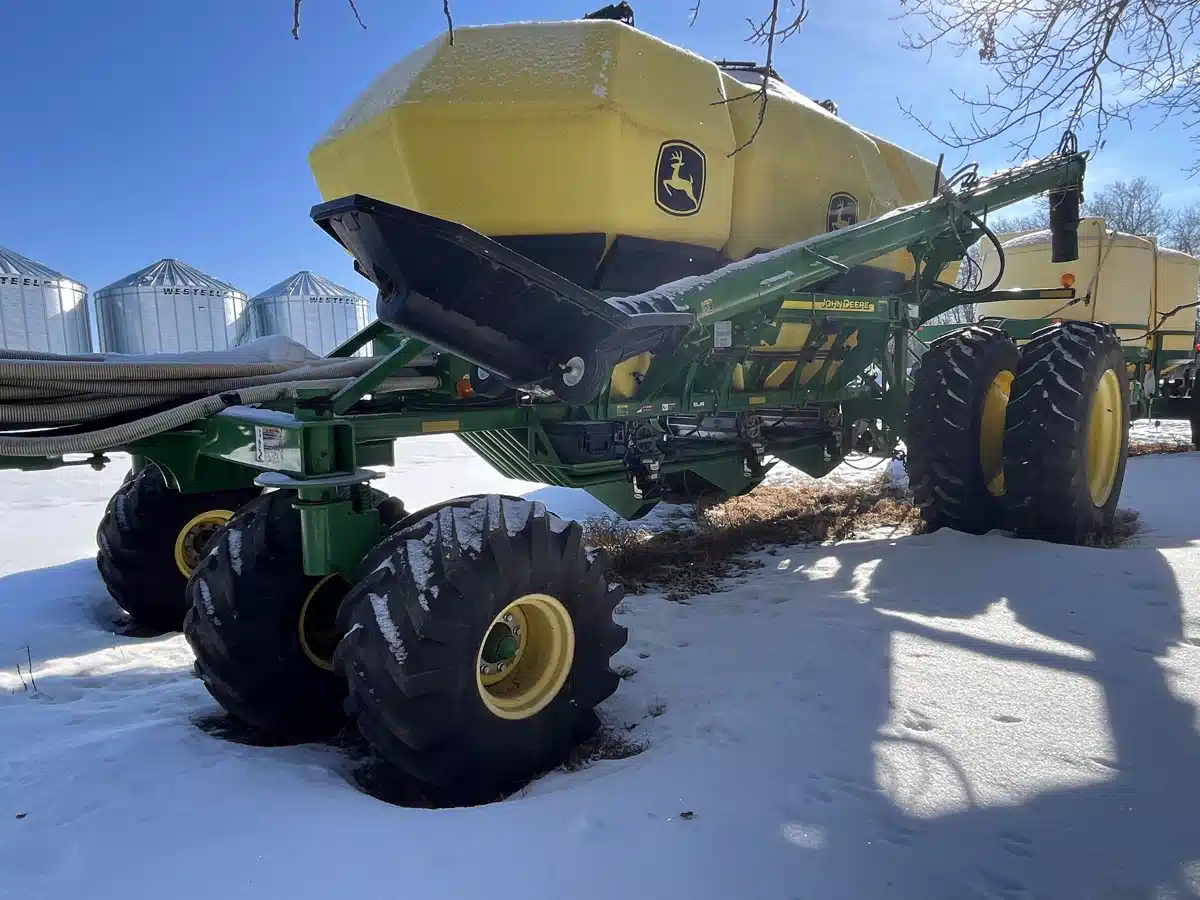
{"type": "Point", "coordinates": [1131, 279]}
{"type": "Point", "coordinates": [800, 151]}
{"type": "Point", "coordinates": [546, 130]}
{"type": "Point", "coordinates": [1176, 284]}
{"type": "Point", "coordinates": [604, 154]}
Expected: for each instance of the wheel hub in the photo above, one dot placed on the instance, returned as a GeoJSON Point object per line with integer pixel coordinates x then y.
{"type": "Point", "coordinates": [503, 646]}
{"type": "Point", "coordinates": [319, 634]}
{"type": "Point", "coordinates": [573, 371]}
{"type": "Point", "coordinates": [525, 656]}
{"type": "Point", "coordinates": [991, 431]}
{"type": "Point", "coordinates": [194, 538]}
{"type": "Point", "coordinates": [1105, 421]}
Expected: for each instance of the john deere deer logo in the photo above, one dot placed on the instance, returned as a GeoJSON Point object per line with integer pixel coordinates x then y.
{"type": "Point", "coordinates": [843, 211]}
{"type": "Point", "coordinates": [679, 178]}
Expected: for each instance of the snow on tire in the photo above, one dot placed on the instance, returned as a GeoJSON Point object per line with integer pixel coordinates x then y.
{"type": "Point", "coordinates": [262, 630]}
{"type": "Point", "coordinates": [477, 646]}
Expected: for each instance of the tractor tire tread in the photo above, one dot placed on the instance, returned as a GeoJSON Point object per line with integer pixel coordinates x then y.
{"type": "Point", "coordinates": [412, 629]}
{"type": "Point", "coordinates": [1046, 432]}
{"type": "Point", "coordinates": [942, 437]}
{"type": "Point", "coordinates": [243, 623]}
{"type": "Point", "coordinates": [136, 545]}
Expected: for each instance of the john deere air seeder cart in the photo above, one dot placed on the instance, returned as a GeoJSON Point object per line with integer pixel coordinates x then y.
{"type": "Point", "coordinates": [580, 278]}
{"type": "Point", "coordinates": [1145, 291]}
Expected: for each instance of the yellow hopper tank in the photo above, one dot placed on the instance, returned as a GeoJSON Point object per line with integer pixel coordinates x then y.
{"type": "Point", "coordinates": [607, 155]}
{"type": "Point", "coordinates": [1131, 280]}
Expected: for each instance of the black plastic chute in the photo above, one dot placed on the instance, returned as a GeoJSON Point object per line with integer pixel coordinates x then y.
{"type": "Point", "coordinates": [459, 290]}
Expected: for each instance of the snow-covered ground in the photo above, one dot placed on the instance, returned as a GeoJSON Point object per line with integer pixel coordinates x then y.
{"type": "Point", "coordinates": [926, 717]}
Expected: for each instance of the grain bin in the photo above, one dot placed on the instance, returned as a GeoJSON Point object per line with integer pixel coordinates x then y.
{"type": "Point", "coordinates": [170, 307]}
{"type": "Point", "coordinates": [312, 310]}
{"type": "Point", "coordinates": [41, 309]}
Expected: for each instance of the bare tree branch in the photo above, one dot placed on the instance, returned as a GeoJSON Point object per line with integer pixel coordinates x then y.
{"type": "Point", "coordinates": [1132, 207]}
{"type": "Point", "coordinates": [449, 19]}
{"type": "Point", "coordinates": [766, 31]}
{"type": "Point", "coordinates": [1184, 233]}
{"type": "Point", "coordinates": [353, 9]}
{"type": "Point", "coordinates": [1062, 64]}
{"type": "Point", "coordinates": [1030, 222]}
{"type": "Point", "coordinates": [768, 26]}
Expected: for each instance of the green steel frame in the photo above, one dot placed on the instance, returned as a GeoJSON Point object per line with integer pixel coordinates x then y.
{"type": "Point", "coordinates": [322, 442]}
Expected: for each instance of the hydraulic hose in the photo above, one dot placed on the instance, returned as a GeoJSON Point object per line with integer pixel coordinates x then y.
{"type": "Point", "coordinates": [119, 435]}
{"type": "Point", "coordinates": [45, 390]}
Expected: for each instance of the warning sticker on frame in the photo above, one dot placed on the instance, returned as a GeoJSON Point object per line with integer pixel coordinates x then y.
{"type": "Point", "coordinates": [268, 445]}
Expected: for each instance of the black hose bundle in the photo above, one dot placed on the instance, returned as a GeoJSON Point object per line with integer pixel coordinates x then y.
{"type": "Point", "coordinates": [97, 402]}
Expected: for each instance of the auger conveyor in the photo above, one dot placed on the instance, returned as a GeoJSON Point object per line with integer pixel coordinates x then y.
{"type": "Point", "coordinates": [466, 293]}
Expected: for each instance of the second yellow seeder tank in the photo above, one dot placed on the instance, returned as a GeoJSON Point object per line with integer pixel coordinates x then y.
{"type": "Point", "coordinates": [1132, 282]}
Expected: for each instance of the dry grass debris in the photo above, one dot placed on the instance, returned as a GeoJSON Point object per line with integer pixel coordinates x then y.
{"type": "Point", "coordinates": [698, 558]}
{"type": "Point", "coordinates": [609, 742]}
{"type": "Point", "coordinates": [1126, 523]}
{"type": "Point", "coordinates": [1159, 447]}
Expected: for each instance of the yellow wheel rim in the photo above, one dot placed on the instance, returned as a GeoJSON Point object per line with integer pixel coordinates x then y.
{"type": "Point", "coordinates": [525, 657]}
{"type": "Point", "coordinates": [193, 538]}
{"type": "Point", "coordinates": [1105, 431]}
{"type": "Point", "coordinates": [319, 635]}
{"type": "Point", "coordinates": [991, 431]}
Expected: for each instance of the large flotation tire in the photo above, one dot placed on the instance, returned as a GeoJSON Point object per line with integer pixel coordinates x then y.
{"type": "Point", "coordinates": [150, 539]}
{"type": "Point", "coordinates": [955, 429]}
{"type": "Point", "coordinates": [263, 631]}
{"type": "Point", "coordinates": [477, 646]}
{"type": "Point", "coordinates": [1067, 438]}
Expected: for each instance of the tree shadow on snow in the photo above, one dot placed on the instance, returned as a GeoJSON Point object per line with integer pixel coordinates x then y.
{"type": "Point", "coordinates": [1069, 798]}
{"type": "Point", "coordinates": [1050, 815]}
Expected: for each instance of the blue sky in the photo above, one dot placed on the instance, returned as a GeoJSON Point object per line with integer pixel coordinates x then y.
{"type": "Point", "coordinates": [139, 129]}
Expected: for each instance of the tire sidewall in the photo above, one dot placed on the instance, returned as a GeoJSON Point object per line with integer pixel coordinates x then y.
{"type": "Point", "coordinates": [243, 624]}
{"type": "Point", "coordinates": [942, 429]}
{"type": "Point", "coordinates": [1004, 356]}
{"type": "Point", "coordinates": [550, 574]}
{"type": "Point", "coordinates": [413, 627]}
{"type": "Point", "coordinates": [137, 537]}
{"type": "Point", "coordinates": [1109, 356]}
{"type": "Point", "coordinates": [1047, 441]}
